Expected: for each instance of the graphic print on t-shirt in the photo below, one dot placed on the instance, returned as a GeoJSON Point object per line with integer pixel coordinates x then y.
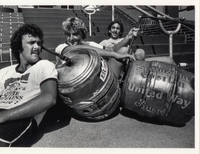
{"type": "Point", "coordinates": [14, 91]}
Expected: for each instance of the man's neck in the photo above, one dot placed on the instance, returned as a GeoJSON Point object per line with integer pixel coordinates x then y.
{"type": "Point", "coordinates": [21, 68]}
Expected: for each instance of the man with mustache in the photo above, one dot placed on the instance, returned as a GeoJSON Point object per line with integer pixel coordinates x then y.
{"type": "Point", "coordinates": [27, 89]}
{"type": "Point", "coordinates": [115, 32]}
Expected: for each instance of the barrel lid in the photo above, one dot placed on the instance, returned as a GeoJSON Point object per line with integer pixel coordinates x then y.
{"type": "Point", "coordinates": [80, 64]}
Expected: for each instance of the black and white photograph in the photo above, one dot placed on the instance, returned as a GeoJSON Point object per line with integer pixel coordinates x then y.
{"type": "Point", "coordinates": [99, 78]}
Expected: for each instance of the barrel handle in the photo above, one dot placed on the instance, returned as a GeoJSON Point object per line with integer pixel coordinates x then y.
{"type": "Point", "coordinates": [67, 59]}
{"type": "Point", "coordinates": [126, 63]}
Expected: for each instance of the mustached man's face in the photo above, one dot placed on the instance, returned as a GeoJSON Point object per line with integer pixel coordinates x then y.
{"type": "Point", "coordinates": [115, 31]}
{"type": "Point", "coordinates": [31, 49]}
{"type": "Point", "coordinates": [73, 38]}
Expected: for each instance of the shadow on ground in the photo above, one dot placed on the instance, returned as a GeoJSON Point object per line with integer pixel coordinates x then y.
{"type": "Point", "coordinates": [60, 115]}
{"type": "Point", "coordinates": [152, 120]}
{"type": "Point", "coordinates": [80, 118]}
{"type": "Point", "coordinates": [56, 118]}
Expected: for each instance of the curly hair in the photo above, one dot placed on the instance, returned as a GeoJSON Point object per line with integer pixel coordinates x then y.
{"type": "Point", "coordinates": [121, 27]}
{"type": "Point", "coordinates": [76, 24]}
{"type": "Point", "coordinates": [16, 39]}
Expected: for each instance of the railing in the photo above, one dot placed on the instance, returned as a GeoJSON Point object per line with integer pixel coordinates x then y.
{"type": "Point", "coordinates": [160, 18]}
{"type": "Point", "coordinates": [9, 22]}
{"type": "Point", "coordinates": [125, 16]}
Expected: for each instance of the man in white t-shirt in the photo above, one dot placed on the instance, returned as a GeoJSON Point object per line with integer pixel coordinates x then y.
{"type": "Point", "coordinates": [75, 32]}
{"type": "Point", "coordinates": [27, 89]}
{"type": "Point", "coordinates": [115, 32]}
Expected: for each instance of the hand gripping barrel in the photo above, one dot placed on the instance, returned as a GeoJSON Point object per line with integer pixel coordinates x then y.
{"type": "Point", "coordinates": [87, 85]}
{"type": "Point", "coordinates": [159, 90]}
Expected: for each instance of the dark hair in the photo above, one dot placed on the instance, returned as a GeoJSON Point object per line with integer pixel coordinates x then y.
{"type": "Point", "coordinates": [16, 39]}
{"type": "Point", "coordinates": [121, 27]}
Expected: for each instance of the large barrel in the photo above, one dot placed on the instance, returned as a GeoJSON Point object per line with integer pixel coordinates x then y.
{"type": "Point", "coordinates": [159, 90]}
{"type": "Point", "coordinates": [87, 85]}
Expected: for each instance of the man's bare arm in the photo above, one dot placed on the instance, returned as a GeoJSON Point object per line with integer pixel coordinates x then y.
{"type": "Point", "coordinates": [101, 52]}
{"type": "Point", "coordinates": [132, 33]}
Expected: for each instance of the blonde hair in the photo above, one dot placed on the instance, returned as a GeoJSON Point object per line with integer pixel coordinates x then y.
{"type": "Point", "coordinates": [76, 24]}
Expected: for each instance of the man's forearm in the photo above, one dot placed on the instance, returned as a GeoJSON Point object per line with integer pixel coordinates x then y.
{"type": "Point", "coordinates": [132, 34]}
{"type": "Point", "coordinates": [30, 109]}
{"type": "Point", "coordinates": [101, 52]}
{"type": "Point", "coordinates": [122, 43]}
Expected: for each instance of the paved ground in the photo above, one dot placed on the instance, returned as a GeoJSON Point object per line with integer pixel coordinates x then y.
{"type": "Point", "coordinates": [123, 130]}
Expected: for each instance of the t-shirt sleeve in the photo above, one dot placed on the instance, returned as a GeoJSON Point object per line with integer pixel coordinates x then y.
{"type": "Point", "coordinates": [1, 87]}
{"type": "Point", "coordinates": [47, 71]}
{"type": "Point", "coordinates": [60, 48]}
{"type": "Point", "coordinates": [3, 73]}
{"type": "Point", "coordinates": [102, 43]}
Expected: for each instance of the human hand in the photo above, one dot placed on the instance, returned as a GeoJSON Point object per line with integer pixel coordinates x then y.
{"type": "Point", "coordinates": [133, 33]}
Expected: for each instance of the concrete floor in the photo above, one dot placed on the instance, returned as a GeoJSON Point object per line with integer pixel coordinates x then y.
{"type": "Point", "coordinates": [122, 130]}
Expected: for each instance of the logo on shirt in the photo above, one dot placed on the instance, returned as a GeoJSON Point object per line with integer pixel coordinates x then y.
{"type": "Point", "coordinates": [14, 88]}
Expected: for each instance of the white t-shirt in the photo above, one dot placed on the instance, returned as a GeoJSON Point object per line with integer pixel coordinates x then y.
{"type": "Point", "coordinates": [18, 88]}
{"type": "Point", "coordinates": [110, 42]}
